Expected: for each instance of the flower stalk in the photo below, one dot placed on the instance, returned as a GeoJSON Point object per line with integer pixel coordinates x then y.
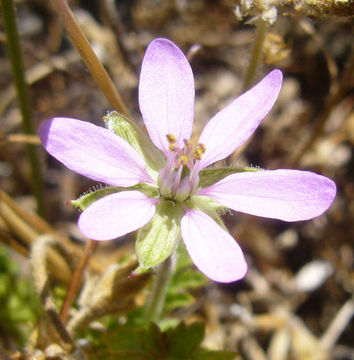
{"type": "Point", "coordinates": [157, 298]}
{"type": "Point", "coordinates": [15, 56]}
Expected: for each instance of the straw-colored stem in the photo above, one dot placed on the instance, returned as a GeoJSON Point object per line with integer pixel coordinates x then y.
{"type": "Point", "coordinates": [76, 280]}
{"type": "Point", "coordinates": [56, 263]}
{"type": "Point", "coordinates": [27, 227]}
{"type": "Point", "coordinates": [15, 56]}
{"type": "Point", "coordinates": [21, 138]}
{"type": "Point", "coordinates": [90, 58]}
{"type": "Point", "coordinates": [261, 31]}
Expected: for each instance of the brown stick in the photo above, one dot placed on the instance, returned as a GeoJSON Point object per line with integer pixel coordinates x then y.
{"type": "Point", "coordinates": [74, 286]}
{"type": "Point", "coordinates": [28, 226]}
{"type": "Point", "coordinates": [88, 55]}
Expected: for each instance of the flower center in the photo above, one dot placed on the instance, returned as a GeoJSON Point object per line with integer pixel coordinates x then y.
{"type": "Point", "coordinates": [180, 178]}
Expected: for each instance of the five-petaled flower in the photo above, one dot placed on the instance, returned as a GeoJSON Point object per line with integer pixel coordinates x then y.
{"type": "Point", "coordinates": [180, 195]}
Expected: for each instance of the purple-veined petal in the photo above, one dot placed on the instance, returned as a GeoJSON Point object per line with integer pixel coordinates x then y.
{"type": "Point", "coordinates": [116, 215]}
{"type": "Point", "coordinates": [93, 151]}
{"type": "Point", "coordinates": [289, 195]}
{"type": "Point", "coordinates": [166, 93]}
{"type": "Point", "coordinates": [212, 249]}
{"type": "Point", "coordinates": [233, 125]}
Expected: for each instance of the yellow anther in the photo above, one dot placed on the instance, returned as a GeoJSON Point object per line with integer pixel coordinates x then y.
{"type": "Point", "coordinates": [183, 159]}
{"type": "Point", "coordinates": [171, 138]}
{"type": "Point", "coordinates": [201, 148]}
{"type": "Point", "coordinates": [197, 155]}
{"type": "Point", "coordinates": [198, 151]}
{"type": "Point", "coordinates": [187, 143]}
{"type": "Point", "coordinates": [172, 147]}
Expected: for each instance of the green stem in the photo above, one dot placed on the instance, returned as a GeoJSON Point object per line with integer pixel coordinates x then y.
{"type": "Point", "coordinates": [15, 56]}
{"type": "Point", "coordinates": [256, 53]}
{"type": "Point", "coordinates": [157, 299]}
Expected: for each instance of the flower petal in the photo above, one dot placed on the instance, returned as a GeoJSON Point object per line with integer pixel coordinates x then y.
{"type": "Point", "coordinates": [93, 151]}
{"type": "Point", "coordinates": [289, 195]}
{"type": "Point", "coordinates": [166, 93]}
{"type": "Point", "coordinates": [116, 215]}
{"type": "Point", "coordinates": [212, 249]}
{"type": "Point", "coordinates": [233, 125]}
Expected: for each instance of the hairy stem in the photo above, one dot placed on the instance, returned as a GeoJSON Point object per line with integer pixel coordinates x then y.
{"type": "Point", "coordinates": [261, 31]}
{"type": "Point", "coordinates": [157, 298]}
{"type": "Point", "coordinates": [15, 56]}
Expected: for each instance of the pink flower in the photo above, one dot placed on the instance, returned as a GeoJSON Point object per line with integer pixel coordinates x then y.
{"type": "Point", "coordinates": [180, 203]}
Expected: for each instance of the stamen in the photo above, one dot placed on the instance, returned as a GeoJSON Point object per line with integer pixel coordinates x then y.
{"type": "Point", "coordinates": [184, 190]}
{"type": "Point", "coordinates": [173, 147]}
{"type": "Point", "coordinates": [171, 158]}
{"type": "Point", "coordinates": [171, 138]}
{"type": "Point", "coordinates": [199, 151]}
{"type": "Point", "coordinates": [166, 183]}
{"type": "Point", "coordinates": [187, 143]}
{"type": "Point", "coordinates": [194, 176]}
{"type": "Point", "coordinates": [182, 160]}
{"type": "Point", "coordinates": [175, 180]}
{"type": "Point", "coordinates": [201, 148]}
{"type": "Point", "coordinates": [196, 154]}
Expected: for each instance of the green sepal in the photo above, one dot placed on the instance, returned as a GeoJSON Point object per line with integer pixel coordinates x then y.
{"type": "Point", "coordinates": [209, 206]}
{"type": "Point", "coordinates": [208, 177]}
{"type": "Point", "coordinates": [85, 200]}
{"type": "Point", "coordinates": [157, 240]}
{"type": "Point", "coordinates": [120, 125]}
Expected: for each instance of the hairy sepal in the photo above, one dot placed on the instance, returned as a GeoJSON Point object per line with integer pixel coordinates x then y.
{"type": "Point", "coordinates": [209, 206]}
{"type": "Point", "coordinates": [85, 200]}
{"type": "Point", "coordinates": [158, 239]}
{"type": "Point", "coordinates": [120, 125]}
{"type": "Point", "coordinates": [210, 176]}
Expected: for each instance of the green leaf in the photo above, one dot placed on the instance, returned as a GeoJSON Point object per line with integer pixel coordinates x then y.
{"type": "Point", "coordinates": [134, 342]}
{"type": "Point", "coordinates": [127, 355]}
{"type": "Point", "coordinates": [120, 337]}
{"type": "Point", "coordinates": [157, 240]}
{"type": "Point", "coordinates": [178, 300]}
{"type": "Point", "coordinates": [152, 339]}
{"type": "Point", "coordinates": [183, 258]}
{"type": "Point", "coordinates": [208, 177]}
{"type": "Point", "coordinates": [186, 280]}
{"type": "Point", "coordinates": [85, 200]}
{"type": "Point", "coordinates": [168, 323]}
{"type": "Point", "coordinates": [19, 303]}
{"type": "Point", "coordinates": [185, 339]}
